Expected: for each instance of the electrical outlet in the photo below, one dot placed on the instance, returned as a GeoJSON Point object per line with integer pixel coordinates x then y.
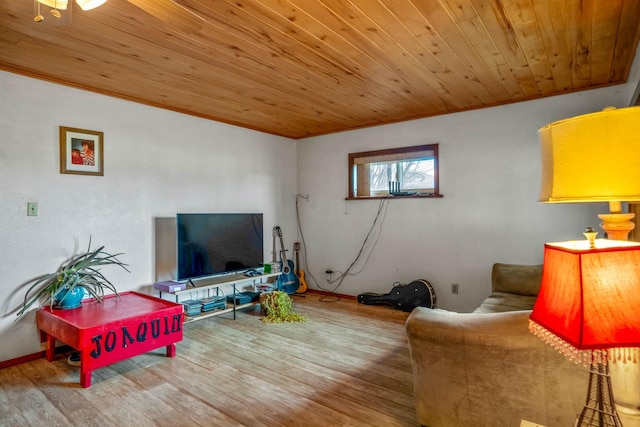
{"type": "Point", "coordinates": [32, 209]}
{"type": "Point", "coordinates": [454, 288]}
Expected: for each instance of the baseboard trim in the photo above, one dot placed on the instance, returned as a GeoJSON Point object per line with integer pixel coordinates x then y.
{"type": "Point", "coordinates": [33, 356]}
{"type": "Point", "coordinates": [333, 294]}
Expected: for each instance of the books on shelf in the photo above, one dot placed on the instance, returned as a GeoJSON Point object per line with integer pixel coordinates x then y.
{"type": "Point", "coordinates": [192, 307]}
{"type": "Point", "coordinates": [213, 303]}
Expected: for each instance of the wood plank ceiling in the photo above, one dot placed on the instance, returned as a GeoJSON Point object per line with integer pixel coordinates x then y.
{"type": "Point", "coordinates": [299, 68]}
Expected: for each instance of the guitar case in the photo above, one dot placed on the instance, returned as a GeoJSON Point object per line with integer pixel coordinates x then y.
{"type": "Point", "coordinates": [418, 293]}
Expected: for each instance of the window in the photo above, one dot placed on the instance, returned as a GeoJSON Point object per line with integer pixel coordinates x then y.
{"type": "Point", "coordinates": [407, 171]}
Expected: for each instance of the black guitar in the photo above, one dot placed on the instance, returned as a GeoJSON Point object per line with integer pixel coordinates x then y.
{"type": "Point", "coordinates": [418, 293]}
{"type": "Point", "coordinates": [287, 280]}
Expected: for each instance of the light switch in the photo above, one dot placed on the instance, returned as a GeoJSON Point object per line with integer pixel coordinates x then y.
{"type": "Point", "coordinates": [32, 209]}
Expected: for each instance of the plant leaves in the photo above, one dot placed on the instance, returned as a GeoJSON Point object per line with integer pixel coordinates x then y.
{"type": "Point", "coordinates": [80, 270]}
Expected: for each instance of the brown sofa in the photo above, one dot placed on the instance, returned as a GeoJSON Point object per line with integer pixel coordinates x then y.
{"type": "Point", "coordinates": [485, 368]}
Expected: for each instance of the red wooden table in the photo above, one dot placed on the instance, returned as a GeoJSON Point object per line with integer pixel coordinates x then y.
{"type": "Point", "coordinates": [114, 330]}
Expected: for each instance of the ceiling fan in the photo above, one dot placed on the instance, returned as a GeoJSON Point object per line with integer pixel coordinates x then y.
{"type": "Point", "coordinates": [168, 11]}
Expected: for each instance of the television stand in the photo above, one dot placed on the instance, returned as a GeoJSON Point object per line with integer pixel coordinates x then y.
{"type": "Point", "coordinates": [211, 288]}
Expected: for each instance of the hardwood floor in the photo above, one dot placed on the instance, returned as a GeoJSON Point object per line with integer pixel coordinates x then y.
{"type": "Point", "coordinates": [348, 365]}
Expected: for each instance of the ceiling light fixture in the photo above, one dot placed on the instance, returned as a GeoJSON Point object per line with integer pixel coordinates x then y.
{"type": "Point", "coordinates": [90, 4]}
{"type": "Point", "coordinates": [58, 5]}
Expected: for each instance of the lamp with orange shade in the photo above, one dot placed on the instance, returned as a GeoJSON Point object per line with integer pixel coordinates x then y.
{"type": "Point", "coordinates": [588, 308]}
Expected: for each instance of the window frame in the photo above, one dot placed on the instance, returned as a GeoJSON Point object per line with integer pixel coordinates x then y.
{"type": "Point", "coordinates": [400, 154]}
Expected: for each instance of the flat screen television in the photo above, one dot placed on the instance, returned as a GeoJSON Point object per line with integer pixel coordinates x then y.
{"type": "Point", "coordinates": [211, 244]}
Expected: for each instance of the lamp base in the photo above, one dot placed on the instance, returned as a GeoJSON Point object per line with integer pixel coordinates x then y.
{"type": "Point", "coordinates": [617, 225]}
{"type": "Point", "coordinates": [599, 410]}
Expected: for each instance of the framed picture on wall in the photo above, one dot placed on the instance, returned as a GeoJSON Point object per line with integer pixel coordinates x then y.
{"type": "Point", "coordinates": [81, 151]}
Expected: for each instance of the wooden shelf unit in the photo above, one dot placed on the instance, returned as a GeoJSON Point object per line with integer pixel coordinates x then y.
{"type": "Point", "coordinates": [214, 283]}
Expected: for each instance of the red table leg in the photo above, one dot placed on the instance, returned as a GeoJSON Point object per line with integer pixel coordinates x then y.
{"type": "Point", "coordinates": [51, 347]}
{"type": "Point", "coordinates": [85, 376]}
{"type": "Point", "coordinates": [171, 350]}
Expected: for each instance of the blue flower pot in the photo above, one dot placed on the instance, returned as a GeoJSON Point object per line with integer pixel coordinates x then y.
{"type": "Point", "coordinates": [66, 299]}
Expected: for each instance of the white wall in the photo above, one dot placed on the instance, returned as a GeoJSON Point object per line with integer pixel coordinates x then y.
{"type": "Point", "coordinates": [157, 163]}
{"type": "Point", "coordinates": [489, 176]}
{"type": "Point", "coordinates": [632, 87]}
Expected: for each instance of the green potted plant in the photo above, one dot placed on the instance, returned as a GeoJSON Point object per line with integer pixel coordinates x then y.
{"type": "Point", "coordinates": [66, 287]}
